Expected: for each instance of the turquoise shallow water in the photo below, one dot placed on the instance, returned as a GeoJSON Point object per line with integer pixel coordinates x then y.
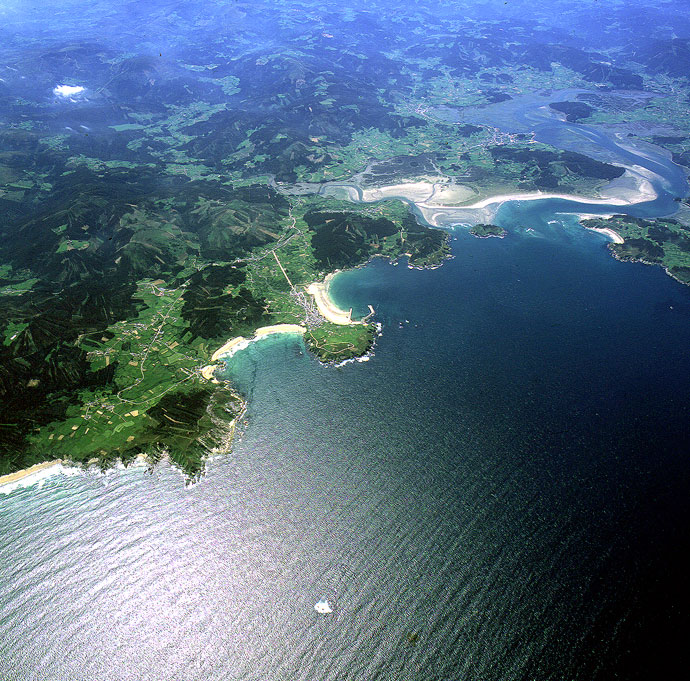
{"type": "Point", "coordinates": [499, 493]}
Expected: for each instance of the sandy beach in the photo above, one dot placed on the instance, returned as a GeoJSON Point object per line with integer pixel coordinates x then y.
{"type": "Point", "coordinates": [40, 470]}
{"type": "Point", "coordinates": [240, 342]}
{"type": "Point", "coordinates": [327, 307]}
{"type": "Point", "coordinates": [611, 233]}
{"type": "Point", "coordinates": [535, 196]}
{"type": "Point", "coordinates": [208, 372]}
{"type": "Point", "coordinates": [227, 347]}
{"type": "Point", "coordinates": [279, 328]}
{"type": "Point", "coordinates": [617, 195]}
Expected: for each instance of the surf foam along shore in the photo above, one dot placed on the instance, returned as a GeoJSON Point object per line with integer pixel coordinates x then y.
{"type": "Point", "coordinates": [38, 473]}
{"type": "Point", "coordinates": [30, 476]}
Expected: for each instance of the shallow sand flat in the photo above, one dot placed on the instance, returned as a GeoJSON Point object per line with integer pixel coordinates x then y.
{"type": "Point", "coordinates": [450, 194]}
{"type": "Point", "coordinates": [447, 217]}
{"type": "Point", "coordinates": [413, 191]}
{"type": "Point", "coordinates": [632, 187]}
{"type": "Point", "coordinates": [431, 191]}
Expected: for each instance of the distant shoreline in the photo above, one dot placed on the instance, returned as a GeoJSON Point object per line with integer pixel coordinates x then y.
{"type": "Point", "coordinates": [630, 189]}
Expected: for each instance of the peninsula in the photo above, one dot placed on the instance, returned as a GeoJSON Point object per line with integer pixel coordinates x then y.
{"type": "Point", "coordinates": [662, 241]}
{"type": "Point", "coordinates": [144, 379]}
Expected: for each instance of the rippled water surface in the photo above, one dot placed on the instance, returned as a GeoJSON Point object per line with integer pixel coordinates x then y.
{"type": "Point", "coordinates": [499, 493]}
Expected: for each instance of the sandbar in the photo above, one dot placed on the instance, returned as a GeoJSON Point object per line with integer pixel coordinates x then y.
{"type": "Point", "coordinates": [621, 194]}
{"type": "Point", "coordinates": [325, 304]}
{"type": "Point", "coordinates": [424, 193]}
{"type": "Point", "coordinates": [450, 195]}
{"type": "Point", "coordinates": [418, 192]}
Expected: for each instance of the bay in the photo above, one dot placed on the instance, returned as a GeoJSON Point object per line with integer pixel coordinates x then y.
{"type": "Point", "coordinates": [498, 493]}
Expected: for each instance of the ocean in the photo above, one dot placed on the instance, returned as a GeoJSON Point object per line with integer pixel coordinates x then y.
{"type": "Point", "coordinates": [498, 493]}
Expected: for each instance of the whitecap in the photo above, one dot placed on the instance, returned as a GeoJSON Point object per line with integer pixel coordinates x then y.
{"type": "Point", "coordinates": [39, 477]}
{"type": "Point", "coordinates": [323, 607]}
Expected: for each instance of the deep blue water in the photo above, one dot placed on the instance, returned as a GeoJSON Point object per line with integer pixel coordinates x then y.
{"type": "Point", "coordinates": [499, 493]}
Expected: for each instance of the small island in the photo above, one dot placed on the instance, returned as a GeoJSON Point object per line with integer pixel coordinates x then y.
{"type": "Point", "coordinates": [484, 231]}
